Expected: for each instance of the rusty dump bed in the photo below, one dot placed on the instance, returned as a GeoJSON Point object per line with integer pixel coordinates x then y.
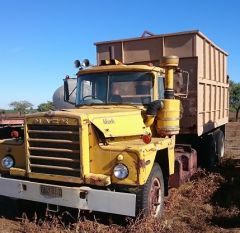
{"type": "Point", "coordinates": [207, 104]}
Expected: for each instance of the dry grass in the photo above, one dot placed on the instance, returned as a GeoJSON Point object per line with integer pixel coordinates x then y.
{"type": "Point", "coordinates": [210, 202]}
{"type": "Point", "coordinates": [198, 206]}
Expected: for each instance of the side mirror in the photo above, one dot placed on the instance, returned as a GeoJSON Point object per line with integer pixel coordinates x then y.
{"type": "Point", "coordinates": [181, 83]}
{"type": "Point", "coordinates": [70, 86]}
{"type": "Point", "coordinates": [66, 89]}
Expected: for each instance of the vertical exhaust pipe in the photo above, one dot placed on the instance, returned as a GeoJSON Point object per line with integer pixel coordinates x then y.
{"type": "Point", "coordinates": [169, 63]}
{"type": "Point", "coordinates": [168, 117]}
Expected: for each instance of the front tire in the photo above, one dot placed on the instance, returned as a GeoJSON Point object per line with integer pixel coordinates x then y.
{"type": "Point", "coordinates": [150, 198]}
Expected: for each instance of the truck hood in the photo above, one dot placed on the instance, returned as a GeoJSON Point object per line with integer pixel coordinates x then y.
{"type": "Point", "coordinates": [111, 120]}
{"type": "Point", "coordinates": [114, 120]}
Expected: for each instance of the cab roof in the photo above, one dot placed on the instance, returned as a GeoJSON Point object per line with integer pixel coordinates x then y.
{"type": "Point", "coordinates": [120, 67]}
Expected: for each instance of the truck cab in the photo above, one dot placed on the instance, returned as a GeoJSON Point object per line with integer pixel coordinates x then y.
{"type": "Point", "coordinates": [119, 84]}
{"type": "Point", "coordinates": [107, 151]}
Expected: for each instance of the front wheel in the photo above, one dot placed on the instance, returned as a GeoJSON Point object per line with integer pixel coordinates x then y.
{"type": "Point", "coordinates": [150, 198]}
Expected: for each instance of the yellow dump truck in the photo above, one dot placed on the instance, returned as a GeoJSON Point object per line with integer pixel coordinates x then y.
{"type": "Point", "coordinates": [139, 121]}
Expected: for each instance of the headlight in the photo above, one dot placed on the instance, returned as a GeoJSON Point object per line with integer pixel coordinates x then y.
{"type": "Point", "coordinates": [7, 162]}
{"type": "Point", "coordinates": [120, 171]}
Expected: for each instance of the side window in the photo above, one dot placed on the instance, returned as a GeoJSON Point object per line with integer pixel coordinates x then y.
{"type": "Point", "coordinates": [161, 87]}
{"type": "Point", "coordinates": [86, 88]}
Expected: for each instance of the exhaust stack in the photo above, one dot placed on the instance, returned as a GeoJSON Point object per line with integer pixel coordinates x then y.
{"type": "Point", "coordinates": [168, 117]}
{"type": "Point", "coordinates": [169, 63]}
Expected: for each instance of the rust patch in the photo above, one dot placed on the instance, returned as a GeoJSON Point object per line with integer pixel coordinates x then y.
{"type": "Point", "coordinates": [97, 179]}
{"type": "Point", "coordinates": [141, 163]}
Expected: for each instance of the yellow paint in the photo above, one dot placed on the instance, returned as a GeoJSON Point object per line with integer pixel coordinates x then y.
{"type": "Point", "coordinates": [155, 83]}
{"type": "Point", "coordinates": [120, 124]}
{"type": "Point", "coordinates": [132, 152]}
{"type": "Point", "coordinates": [169, 78]}
{"type": "Point", "coordinates": [17, 172]}
{"type": "Point", "coordinates": [84, 146]}
{"type": "Point", "coordinates": [120, 68]}
{"type": "Point", "coordinates": [59, 178]}
{"type": "Point", "coordinates": [168, 118]}
{"type": "Point", "coordinates": [149, 154]}
{"type": "Point", "coordinates": [26, 145]}
{"type": "Point", "coordinates": [54, 119]}
{"type": "Point", "coordinates": [171, 157]}
{"type": "Point", "coordinates": [120, 157]}
{"type": "Point", "coordinates": [103, 158]}
{"type": "Point", "coordinates": [15, 149]}
{"type": "Point", "coordinates": [169, 63]}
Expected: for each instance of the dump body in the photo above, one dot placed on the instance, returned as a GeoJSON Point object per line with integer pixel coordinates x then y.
{"type": "Point", "coordinates": [207, 104]}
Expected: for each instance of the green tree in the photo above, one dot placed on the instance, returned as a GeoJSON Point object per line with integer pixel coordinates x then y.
{"type": "Point", "coordinates": [44, 107]}
{"type": "Point", "coordinates": [22, 106]}
{"type": "Point", "coordinates": [234, 97]}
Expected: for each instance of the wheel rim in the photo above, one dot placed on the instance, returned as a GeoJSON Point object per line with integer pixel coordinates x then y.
{"type": "Point", "coordinates": [155, 198]}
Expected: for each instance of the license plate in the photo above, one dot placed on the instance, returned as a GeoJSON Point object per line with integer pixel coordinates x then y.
{"type": "Point", "coordinates": [50, 191]}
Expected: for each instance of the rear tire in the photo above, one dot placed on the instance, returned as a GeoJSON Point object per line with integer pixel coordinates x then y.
{"type": "Point", "coordinates": [212, 148]}
{"type": "Point", "coordinates": [220, 144]}
{"type": "Point", "coordinates": [150, 198]}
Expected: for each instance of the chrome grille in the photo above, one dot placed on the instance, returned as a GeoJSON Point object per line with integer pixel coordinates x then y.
{"type": "Point", "coordinates": [54, 149]}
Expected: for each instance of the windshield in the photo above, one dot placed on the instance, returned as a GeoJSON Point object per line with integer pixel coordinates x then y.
{"type": "Point", "coordinates": [115, 87]}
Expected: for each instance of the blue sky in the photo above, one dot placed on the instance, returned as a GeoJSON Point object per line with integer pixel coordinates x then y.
{"type": "Point", "coordinates": [39, 40]}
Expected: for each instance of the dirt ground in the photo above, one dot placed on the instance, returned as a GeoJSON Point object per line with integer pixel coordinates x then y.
{"type": "Point", "coordinates": [209, 202]}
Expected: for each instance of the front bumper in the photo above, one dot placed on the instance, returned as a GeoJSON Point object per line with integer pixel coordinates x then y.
{"type": "Point", "coordinates": [83, 198]}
